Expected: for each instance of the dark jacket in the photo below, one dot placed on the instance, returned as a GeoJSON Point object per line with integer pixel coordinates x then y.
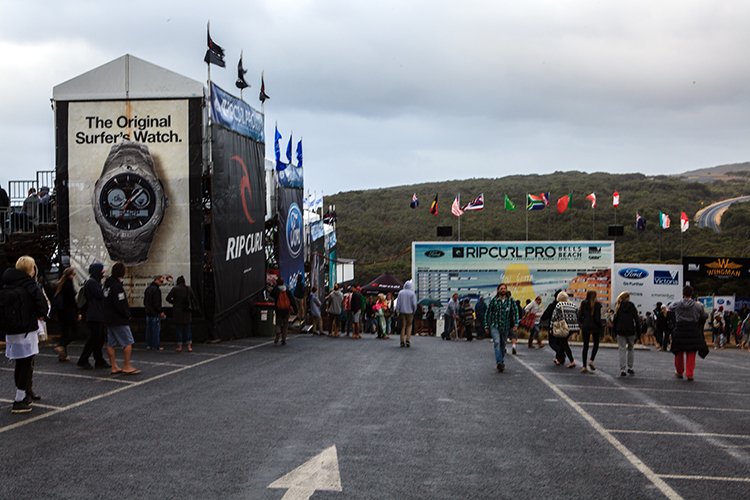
{"type": "Point", "coordinates": [64, 304]}
{"type": "Point", "coordinates": [546, 320]}
{"type": "Point", "coordinates": [356, 302]}
{"type": "Point", "coordinates": [590, 321]}
{"type": "Point", "coordinates": [116, 309]}
{"type": "Point", "coordinates": [626, 320]}
{"type": "Point", "coordinates": [152, 300]}
{"type": "Point", "coordinates": [94, 293]}
{"type": "Point", "coordinates": [180, 298]}
{"type": "Point", "coordinates": [37, 307]}
{"type": "Point", "coordinates": [690, 316]}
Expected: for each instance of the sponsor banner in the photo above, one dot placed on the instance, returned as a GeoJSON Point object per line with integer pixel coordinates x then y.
{"type": "Point", "coordinates": [648, 284]}
{"type": "Point", "coordinates": [291, 177]}
{"type": "Point", "coordinates": [235, 114]}
{"type": "Point", "coordinates": [317, 230]}
{"type": "Point", "coordinates": [291, 236]}
{"type": "Point", "coordinates": [238, 206]}
{"type": "Point", "coordinates": [714, 302]}
{"type": "Point", "coordinates": [128, 189]}
{"type": "Point", "coordinates": [723, 268]}
{"type": "Point", "coordinates": [317, 266]}
{"type": "Point", "coordinates": [331, 240]}
{"type": "Point", "coordinates": [529, 268]}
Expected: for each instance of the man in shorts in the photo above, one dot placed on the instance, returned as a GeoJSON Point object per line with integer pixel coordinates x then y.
{"type": "Point", "coordinates": [117, 317]}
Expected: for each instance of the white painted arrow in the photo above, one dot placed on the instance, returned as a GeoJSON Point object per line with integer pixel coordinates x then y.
{"type": "Point", "coordinates": [319, 473]}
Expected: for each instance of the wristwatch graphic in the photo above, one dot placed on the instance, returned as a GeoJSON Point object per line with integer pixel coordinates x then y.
{"type": "Point", "coordinates": [129, 202]}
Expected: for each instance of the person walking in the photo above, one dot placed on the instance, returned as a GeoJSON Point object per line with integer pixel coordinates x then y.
{"type": "Point", "coordinates": [533, 317]}
{"type": "Point", "coordinates": [284, 303]}
{"type": "Point", "coordinates": [315, 305]}
{"type": "Point", "coordinates": [480, 310]}
{"type": "Point", "coordinates": [183, 302]}
{"type": "Point", "coordinates": [94, 313]}
{"type": "Point", "coordinates": [117, 317]}
{"type": "Point", "coordinates": [335, 301]}
{"type": "Point", "coordinates": [21, 329]}
{"type": "Point", "coordinates": [565, 311]}
{"type": "Point", "coordinates": [430, 319]}
{"type": "Point", "coordinates": [590, 319]}
{"type": "Point", "coordinates": [546, 323]}
{"type": "Point", "coordinates": [65, 311]}
{"type": "Point", "coordinates": [406, 305]}
{"type": "Point", "coordinates": [154, 313]}
{"type": "Point", "coordinates": [451, 317]}
{"type": "Point", "coordinates": [356, 308]}
{"type": "Point", "coordinates": [500, 320]}
{"type": "Point", "coordinates": [626, 326]}
{"type": "Point", "coordinates": [687, 337]}
{"type": "Point", "coordinates": [466, 315]}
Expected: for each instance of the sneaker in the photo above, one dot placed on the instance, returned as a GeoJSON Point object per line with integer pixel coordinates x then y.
{"type": "Point", "coordinates": [402, 344]}
{"type": "Point", "coordinates": [500, 367]}
{"type": "Point", "coordinates": [514, 351]}
{"type": "Point", "coordinates": [630, 371]}
{"type": "Point", "coordinates": [283, 342]}
{"type": "Point", "coordinates": [21, 407]}
{"type": "Point", "coordinates": [623, 374]}
{"type": "Point", "coordinates": [584, 370]}
{"type": "Point", "coordinates": [690, 379]}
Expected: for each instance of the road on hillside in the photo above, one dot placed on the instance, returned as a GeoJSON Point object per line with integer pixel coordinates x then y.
{"type": "Point", "coordinates": [338, 418]}
{"type": "Point", "coordinates": [710, 216]}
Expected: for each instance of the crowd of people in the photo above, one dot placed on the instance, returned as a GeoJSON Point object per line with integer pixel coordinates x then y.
{"type": "Point", "coordinates": [102, 303]}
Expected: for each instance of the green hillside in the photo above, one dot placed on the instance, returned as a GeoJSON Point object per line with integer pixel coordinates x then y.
{"type": "Point", "coordinates": [376, 227]}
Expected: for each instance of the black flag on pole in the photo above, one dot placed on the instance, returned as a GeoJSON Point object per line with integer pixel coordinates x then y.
{"type": "Point", "coordinates": [241, 83]}
{"type": "Point", "coordinates": [214, 54]}
{"type": "Point", "coordinates": [263, 96]}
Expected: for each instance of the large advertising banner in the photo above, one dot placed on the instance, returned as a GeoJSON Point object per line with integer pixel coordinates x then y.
{"type": "Point", "coordinates": [291, 236]}
{"type": "Point", "coordinates": [648, 284]}
{"type": "Point", "coordinates": [128, 188]}
{"type": "Point", "coordinates": [529, 268]}
{"type": "Point", "coordinates": [238, 205]}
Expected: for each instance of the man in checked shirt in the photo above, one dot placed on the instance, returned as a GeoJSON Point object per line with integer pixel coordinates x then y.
{"type": "Point", "coordinates": [500, 319]}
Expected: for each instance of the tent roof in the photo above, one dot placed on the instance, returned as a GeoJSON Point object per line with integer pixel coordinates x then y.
{"type": "Point", "coordinates": [384, 283]}
{"type": "Point", "coordinates": [127, 77]}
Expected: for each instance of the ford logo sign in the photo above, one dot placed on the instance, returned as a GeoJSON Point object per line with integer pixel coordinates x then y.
{"type": "Point", "coordinates": [633, 273]}
{"type": "Point", "coordinates": [434, 254]}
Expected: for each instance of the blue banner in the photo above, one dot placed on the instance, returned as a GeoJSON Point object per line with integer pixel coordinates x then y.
{"type": "Point", "coordinates": [291, 236]}
{"type": "Point", "coordinates": [317, 230]}
{"type": "Point", "coordinates": [235, 114]}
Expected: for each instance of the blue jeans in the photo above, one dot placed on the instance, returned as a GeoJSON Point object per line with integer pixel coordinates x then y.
{"type": "Point", "coordinates": [153, 331]}
{"type": "Point", "coordinates": [184, 334]}
{"type": "Point", "coordinates": [498, 341]}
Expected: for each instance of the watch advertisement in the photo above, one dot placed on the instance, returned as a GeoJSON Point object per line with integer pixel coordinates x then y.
{"type": "Point", "coordinates": [128, 180]}
{"type": "Point", "coordinates": [291, 236]}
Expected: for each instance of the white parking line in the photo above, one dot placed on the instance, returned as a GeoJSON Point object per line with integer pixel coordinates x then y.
{"type": "Point", "coordinates": [611, 439]}
{"type": "Point", "coordinates": [675, 433]}
{"type": "Point", "coordinates": [78, 404]}
{"type": "Point", "coordinates": [665, 407]}
{"type": "Point", "coordinates": [75, 375]}
{"type": "Point", "coordinates": [706, 478]}
{"type": "Point", "coordinates": [650, 389]}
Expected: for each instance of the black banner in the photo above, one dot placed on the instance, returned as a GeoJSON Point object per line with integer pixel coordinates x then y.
{"type": "Point", "coordinates": [238, 206]}
{"type": "Point", "coordinates": [717, 275]}
{"type": "Point", "coordinates": [291, 236]}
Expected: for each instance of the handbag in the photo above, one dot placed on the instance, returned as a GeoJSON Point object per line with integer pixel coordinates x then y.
{"type": "Point", "coordinates": [528, 321]}
{"type": "Point", "coordinates": [560, 328]}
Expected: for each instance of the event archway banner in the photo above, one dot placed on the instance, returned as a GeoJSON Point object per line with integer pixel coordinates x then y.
{"type": "Point", "coordinates": [529, 268]}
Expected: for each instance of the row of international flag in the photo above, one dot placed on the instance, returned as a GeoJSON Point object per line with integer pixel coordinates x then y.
{"type": "Point", "coordinates": [215, 55]}
{"type": "Point", "coordinates": [541, 201]}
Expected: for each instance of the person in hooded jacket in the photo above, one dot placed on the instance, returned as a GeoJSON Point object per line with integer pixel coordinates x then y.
{"type": "Point", "coordinates": [117, 317]}
{"type": "Point", "coordinates": [22, 347]}
{"type": "Point", "coordinates": [406, 305]}
{"type": "Point", "coordinates": [94, 309]}
{"type": "Point", "coordinates": [687, 337]}
{"type": "Point", "coordinates": [182, 297]}
{"type": "Point", "coordinates": [65, 310]}
{"type": "Point", "coordinates": [590, 319]}
{"type": "Point", "coordinates": [626, 325]}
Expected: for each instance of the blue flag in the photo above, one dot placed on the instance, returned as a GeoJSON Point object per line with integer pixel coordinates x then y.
{"type": "Point", "coordinates": [276, 139]}
{"type": "Point", "coordinates": [299, 154]}
{"type": "Point", "coordinates": [289, 150]}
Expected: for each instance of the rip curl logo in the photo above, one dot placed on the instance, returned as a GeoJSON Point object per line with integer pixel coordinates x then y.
{"type": "Point", "coordinates": [246, 190]}
{"type": "Point", "coordinates": [294, 230]}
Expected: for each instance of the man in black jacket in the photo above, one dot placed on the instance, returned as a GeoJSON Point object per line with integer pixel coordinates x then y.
{"type": "Point", "coordinates": [154, 313]}
{"type": "Point", "coordinates": [117, 317]}
{"type": "Point", "coordinates": [94, 309]}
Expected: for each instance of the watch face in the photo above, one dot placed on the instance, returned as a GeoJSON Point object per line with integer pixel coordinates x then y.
{"type": "Point", "coordinates": [127, 201]}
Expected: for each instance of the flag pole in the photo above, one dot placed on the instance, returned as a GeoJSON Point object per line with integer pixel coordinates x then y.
{"type": "Point", "coordinates": [593, 222]}
{"type": "Point", "coordinates": [549, 218]}
{"type": "Point", "coordinates": [681, 231]}
{"type": "Point", "coordinates": [209, 133]}
{"type": "Point", "coordinates": [459, 218]}
{"type": "Point", "coordinates": [527, 217]}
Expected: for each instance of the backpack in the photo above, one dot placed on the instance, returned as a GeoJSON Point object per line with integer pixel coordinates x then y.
{"type": "Point", "coordinates": [14, 311]}
{"type": "Point", "coordinates": [282, 302]}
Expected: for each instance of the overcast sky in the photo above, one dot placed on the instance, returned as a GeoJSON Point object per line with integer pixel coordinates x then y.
{"type": "Point", "coordinates": [394, 92]}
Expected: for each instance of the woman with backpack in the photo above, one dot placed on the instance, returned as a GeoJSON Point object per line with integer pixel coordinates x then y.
{"type": "Point", "coordinates": [65, 311]}
{"type": "Point", "coordinates": [590, 319]}
{"type": "Point", "coordinates": [285, 303]}
{"type": "Point", "coordinates": [567, 313]}
{"type": "Point", "coordinates": [21, 294]}
{"type": "Point", "coordinates": [626, 326]}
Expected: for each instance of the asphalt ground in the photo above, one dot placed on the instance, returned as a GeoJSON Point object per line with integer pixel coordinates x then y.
{"type": "Point", "coordinates": [432, 421]}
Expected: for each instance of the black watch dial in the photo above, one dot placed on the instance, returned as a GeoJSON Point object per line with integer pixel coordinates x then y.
{"type": "Point", "coordinates": [127, 201]}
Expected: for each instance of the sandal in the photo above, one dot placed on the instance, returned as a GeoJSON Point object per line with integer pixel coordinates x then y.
{"type": "Point", "coordinates": [572, 364]}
